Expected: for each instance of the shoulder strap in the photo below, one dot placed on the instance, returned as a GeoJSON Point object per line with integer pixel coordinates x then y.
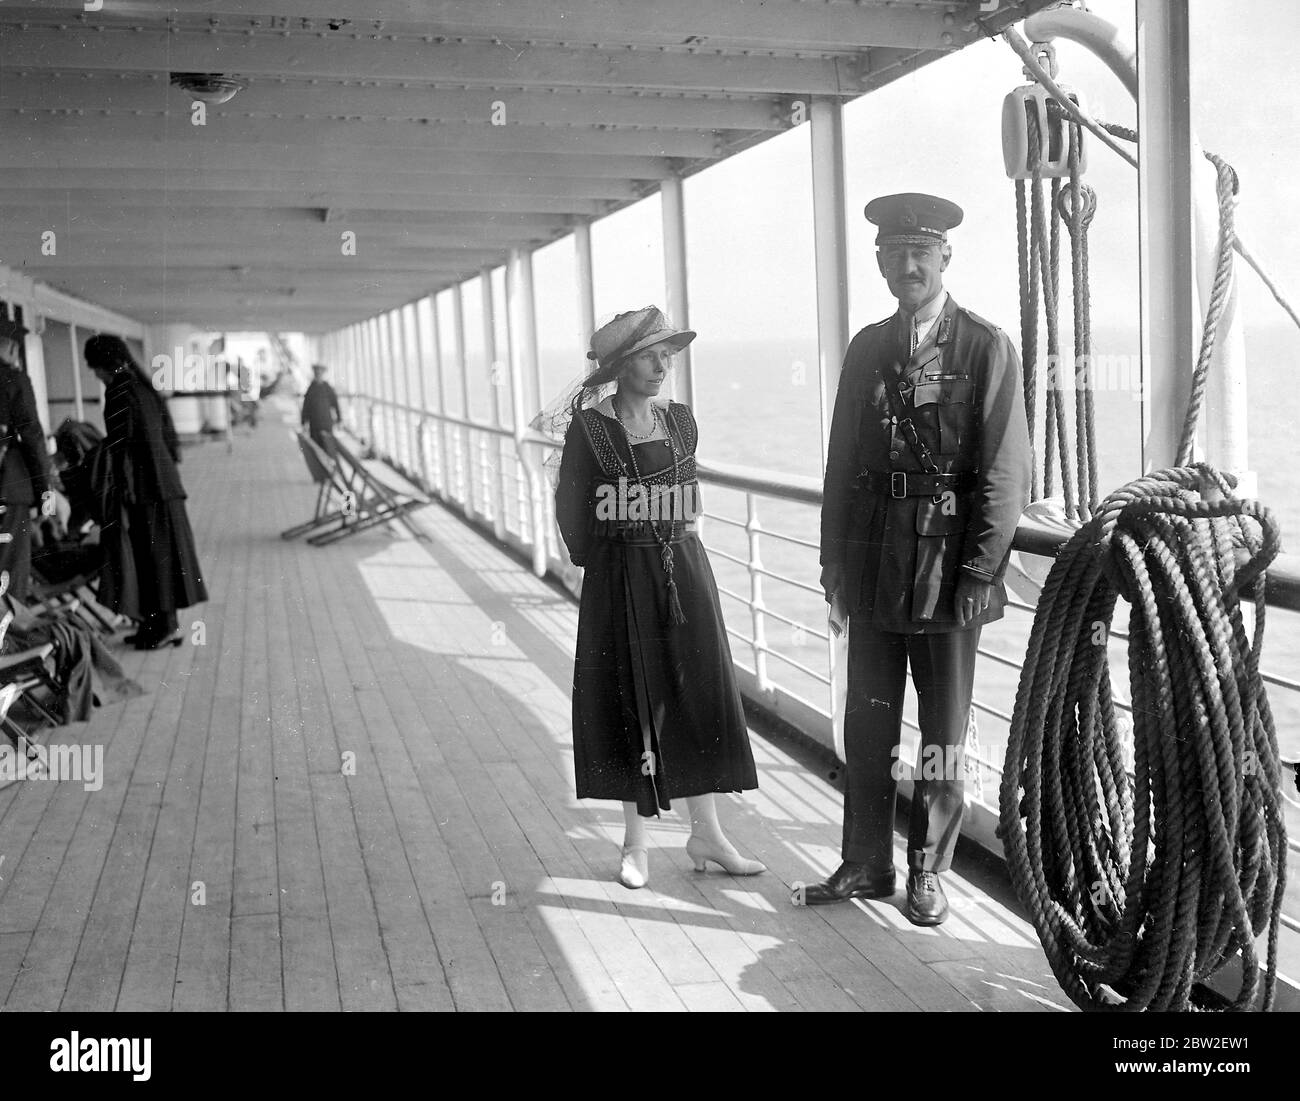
{"type": "Point", "coordinates": [913, 437]}
{"type": "Point", "coordinates": [687, 430]}
{"type": "Point", "coordinates": [596, 433]}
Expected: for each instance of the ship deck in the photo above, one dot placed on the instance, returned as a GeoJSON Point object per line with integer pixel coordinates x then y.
{"type": "Point", "coordinates": [228, 863]}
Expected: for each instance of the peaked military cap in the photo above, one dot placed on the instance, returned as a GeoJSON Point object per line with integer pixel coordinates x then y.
{"type": "Point", "coordinates": [912, 218]}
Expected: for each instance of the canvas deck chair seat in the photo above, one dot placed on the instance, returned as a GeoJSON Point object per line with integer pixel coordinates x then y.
{"type": "Point", "coordinates": [350, 498]}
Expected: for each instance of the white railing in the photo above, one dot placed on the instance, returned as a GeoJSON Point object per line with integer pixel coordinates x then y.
{"type": "Point", "coordinates": [402, 435]}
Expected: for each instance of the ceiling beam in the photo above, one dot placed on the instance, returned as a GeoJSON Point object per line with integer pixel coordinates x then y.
{"type": "Point", "coordinates": [221, 278]}
{"type": "Point", "coordinates": [101, 47]}
{"type": "Point", "coordinates": [194, 226]}
{"type": "Point", "coordinates": [773, 24]}
{"type": "Point", "coordinates": [377, 256]}
{"type": "Point", "coordinates": [28, 145]}
{"type": "Point", "coordinates": [28, 186]}
{"type": "Point", "coordinates": [92, 92]}
{"type": "Point", "coordinates": [64, 176]}
{"type": "Point", "coordinates": [314, 137]}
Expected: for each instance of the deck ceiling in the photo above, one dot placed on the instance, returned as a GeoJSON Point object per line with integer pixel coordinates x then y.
{"type": "Point", "coordinates": [379, 119]}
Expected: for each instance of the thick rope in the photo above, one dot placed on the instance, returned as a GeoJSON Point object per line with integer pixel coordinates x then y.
{"type": "Point", "coordinates": [1142, 886]}
{"type": "Point", "coordinates": [1227, 192]}
{"type": "Point", "coordinates": [1078, 214]}
{"type": "Point", "coordinates": [1028, 331]}
{"type": "Point", "coordinates": [1226, 188]}
{"type": "Point", "coordinates": [1045, 271]}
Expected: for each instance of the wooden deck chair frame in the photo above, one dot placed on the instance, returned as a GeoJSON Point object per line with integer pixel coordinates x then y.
{"type": "Point", "coordinates": [373, 503]}
{"type": "Point", "coordinates": [26, 670]}
{"type": "Point", "coordinates": [330, 480]}
{"type": "Point", "coordinates": [75, 597]}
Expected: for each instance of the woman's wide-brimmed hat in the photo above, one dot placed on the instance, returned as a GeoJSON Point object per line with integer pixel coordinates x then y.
{"type": "Point", "coordinates": [632, 332]}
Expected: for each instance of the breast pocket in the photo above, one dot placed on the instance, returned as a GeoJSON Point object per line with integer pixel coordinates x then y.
{"type": "Point", "coordinates": [945, 403]}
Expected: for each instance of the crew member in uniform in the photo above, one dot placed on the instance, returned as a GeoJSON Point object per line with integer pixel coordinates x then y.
{"type": "Point", "coordinates": [25, 468]}
{"type": "Point", "coordinates": [927, 472]}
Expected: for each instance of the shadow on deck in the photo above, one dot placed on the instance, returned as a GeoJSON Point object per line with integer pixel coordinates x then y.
{"type": "Point", "coordinates": [228, 863]}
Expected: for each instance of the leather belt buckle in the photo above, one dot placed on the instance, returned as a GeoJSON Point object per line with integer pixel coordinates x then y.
{"type": "Point", "coordinates": [898, 484]}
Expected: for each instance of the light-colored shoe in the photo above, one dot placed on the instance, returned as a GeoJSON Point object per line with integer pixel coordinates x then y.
{"type": "Point", "coordinates": [701, 851]}
{"type": "Point", "coordinates": [635, 870]}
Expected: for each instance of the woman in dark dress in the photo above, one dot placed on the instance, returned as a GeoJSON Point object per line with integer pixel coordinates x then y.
{"type": "Point", "coordinates": [151, 567]}
{"type": "Point", "coordinates": [657, 714]}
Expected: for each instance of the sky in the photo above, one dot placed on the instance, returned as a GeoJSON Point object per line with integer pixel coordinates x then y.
{"type": "Point", "coordinates": [749, 219]}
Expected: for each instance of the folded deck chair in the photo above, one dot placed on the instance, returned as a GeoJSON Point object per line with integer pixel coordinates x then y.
{"type": "Point", "coordinates": [332, 488]}
{"type": "Point", "coordinates": [364, 501]}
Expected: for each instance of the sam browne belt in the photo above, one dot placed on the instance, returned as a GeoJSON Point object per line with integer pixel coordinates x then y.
{"type": "Point", "coordinates": [905, 483]}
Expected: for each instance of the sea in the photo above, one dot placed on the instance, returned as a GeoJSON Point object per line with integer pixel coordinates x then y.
{"type": "Point", "coordinates": [758, 407]}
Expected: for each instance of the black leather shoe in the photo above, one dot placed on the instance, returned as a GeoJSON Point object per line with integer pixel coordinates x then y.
{"type": "Point", "coordinates": [850, 880]}
{"type": "Point", "coordinates": [926, 902]}
{"type": "Point", "coordinates": [157, 642]}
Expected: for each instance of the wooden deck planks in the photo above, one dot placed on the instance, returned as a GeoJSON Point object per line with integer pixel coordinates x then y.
{"type": "Point", "coordinates": [452, 867]}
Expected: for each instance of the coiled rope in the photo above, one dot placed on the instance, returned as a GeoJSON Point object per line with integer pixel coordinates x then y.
{"type": "Point", "coordinates": [1140, 886]}
{"type": "Point", "coordinates": [1143, 885]}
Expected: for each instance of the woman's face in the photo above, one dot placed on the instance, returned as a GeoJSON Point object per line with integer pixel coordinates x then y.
{"type": "Point", "coordinates": [646, 372]}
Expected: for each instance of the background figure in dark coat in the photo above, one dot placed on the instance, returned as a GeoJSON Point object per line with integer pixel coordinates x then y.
{"type": "Point", "coordinates": [320, 410]}
{"type": "Point", "coordinates": [151, 566]}
{"type": "Point", "coordinates": [25, 472]}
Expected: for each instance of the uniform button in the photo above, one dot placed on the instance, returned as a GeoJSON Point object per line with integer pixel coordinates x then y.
{"type": "Point", "coordinates": [893, 455]}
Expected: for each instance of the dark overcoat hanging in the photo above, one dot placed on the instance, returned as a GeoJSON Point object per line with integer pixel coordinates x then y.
{"type": "Point", "coordinates": [151, 562]}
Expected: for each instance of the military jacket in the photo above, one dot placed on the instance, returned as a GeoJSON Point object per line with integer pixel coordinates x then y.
{"type": "Point", "coordinates": [901, 556]}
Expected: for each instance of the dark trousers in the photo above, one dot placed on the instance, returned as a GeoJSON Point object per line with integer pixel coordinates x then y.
{"type": "Point", "coordinates": [943, 668]}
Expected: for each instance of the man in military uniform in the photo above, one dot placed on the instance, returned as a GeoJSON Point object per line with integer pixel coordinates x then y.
{"type": "Point", "coordinates": [926, 475]}
{"type": "Point", "coordinates": [25, 468]}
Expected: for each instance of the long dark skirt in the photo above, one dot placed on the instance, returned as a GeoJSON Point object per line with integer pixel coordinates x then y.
{"type": "Point", "coordinates": [638, 679]}
{"type": "Point", "coordinates": [16, 551]}
{"type": "Point", "coordinates": [152, 566]}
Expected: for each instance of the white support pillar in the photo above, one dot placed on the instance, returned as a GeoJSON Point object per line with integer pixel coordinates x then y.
{"type": "Point", "coordinates": [586, 283]}
{"type": "Point", "coordinates": [410, 361]}
{"type": "Point", "coordinates": [444, 467]}
{"type": "Point", "coordinates": [380, 390]}
{"type": "Point", "coordinates": [422, 395]}
{"type": "Point", "coordinates": [401, 373]}
{"type": "Point", "coordinates": [358, 383]}
{"type": "Point", "coordinates": [497, 378]}
{"type": "Point", "coordinates": [1165, 251]}
{"type": "Point", "coordinates": [830, 237]}
{"type": "Point", "coordinates": [524, 360]}
{"type": "Point", "coordinates": [78, 403]}
{"type": "Point", "coordinates": [678, 305]}
{"type": "Point", "coordinates": [466, 448]}
{"type": "Point", "coordinates": [368, 388]}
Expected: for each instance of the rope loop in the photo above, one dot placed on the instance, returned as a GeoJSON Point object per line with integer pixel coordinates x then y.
{"type": "Point", "coordinates": [1088, 206]}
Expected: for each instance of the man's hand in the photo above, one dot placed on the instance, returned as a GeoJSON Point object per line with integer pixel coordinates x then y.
{"type": "Point", "coordinates": [832, 580]}
{"type": "Point", "coordinates": [973, 596]}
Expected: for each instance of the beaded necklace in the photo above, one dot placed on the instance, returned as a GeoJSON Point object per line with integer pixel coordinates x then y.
{"type": "Point", "coordinates": [665, 541]}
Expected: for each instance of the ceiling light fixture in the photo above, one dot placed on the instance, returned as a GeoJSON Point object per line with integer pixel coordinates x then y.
{"type": "Point", "coordinates": [209, 87]}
